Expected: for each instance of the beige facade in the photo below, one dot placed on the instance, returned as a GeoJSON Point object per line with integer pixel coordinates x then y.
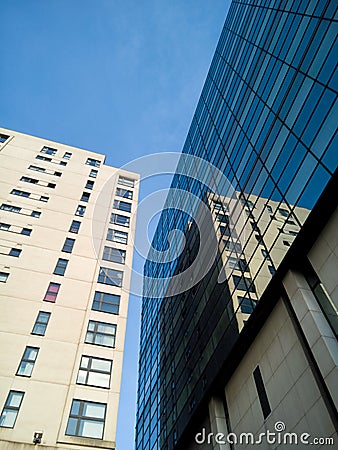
{"type": "Point", "coordinates": [67, 223]}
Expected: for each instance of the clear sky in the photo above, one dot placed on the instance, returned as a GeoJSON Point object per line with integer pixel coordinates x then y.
{"type": "Point", "coordinates": [121, 77]}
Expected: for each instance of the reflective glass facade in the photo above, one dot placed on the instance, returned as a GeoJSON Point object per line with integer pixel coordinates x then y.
{"type": "Point", "coordinates": [266, 121]}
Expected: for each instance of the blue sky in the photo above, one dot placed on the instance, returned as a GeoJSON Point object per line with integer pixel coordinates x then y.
{"type": "Point", "coordinates": [118, 77]}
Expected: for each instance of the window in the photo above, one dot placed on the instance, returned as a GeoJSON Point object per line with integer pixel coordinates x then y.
{"type": "Point", "coordinates": [14, 209]}
{"type": "Point", "coordinates": [80, 211]}
{"type": "Point", "coordinates": [238, 264]}
{"type": "Point", "coordinates": [123, 206]}
{"type": "Point", "coordinates": [290, 222]}
{"type": "Point", "coordinates": [247, 305]}
{"type": "Point", "coordinates": [3, 138]}
{"type": "Point", "coordinates": [67, 155]}
{"type": "Point", "coordinates": [244, 284]}
{"type": "Point", "coordinates": [108, 303]}
{"type": "Point", "coordinates": [27, 362]}
{"type": "Point", "coordinates": [11, 409]}
{"type": "Point", "coordinates": [89, 184]}
{"type": "Point", "coordinates": [3, 277]}
{"type": "Point", "coordinates": [43, 158]}
{"type": "Point", "coordinates": [124, 181]}
{"type": "Point", "coordinates": [118, 219]}
{"type": "Point", "coordinates": [41, 323]}
{"type": "Point", "coordinates": [93, 173]}
{"type": "Point", "coordinates": [265, 254]}
{"type": "Point", "coordinates": [52, 292]}
{"type": "Point", "coordinates": [93, 162]}
{"type": "Point", "coordinates": [68, 245]}
{"type": "Point", "coordinates": [86, 419]}
{"type": "Point", "coordinates": [283, 212]}
{"type": "Point", "coordinates": [37, 169]}
{"type": "Point", "coordinates": [4, 226]}
{"type": "Point", "coordinates": [35, 214]}
{"type": "Point", "coordinates": [60, 267]}
{"type": "Point", "coordinates": [26, 231]}
{"type": "Point", "coordinates": [287, 243]}
{"type": "Point", "coordinates": [20, 193]}
{"type": "Point", "coordinates": [100, 333]}
{"type": "Point", "coordinates": [94, 372]}
{"type": "Point", "coordinates": [85, 197]}
{"type": "Point", "coordinates": [262, 395]}
{"type": "Point", "coordinates": [110, 276]}
{"type": "Point", "coordinates": [268, 207]}
{"type": "Point", "coordinates": [75, 227]}
{"type": "Point", "coordinates": [43, 198]}
{"type": "Point", "coordinates": [272, 270]}
{"type": "Point", "coordinates": [222, 218]}
{"type": "Point", "coordinates": [232, 246]}
{"type": "Point", "coordinates": [29, 180]}
{"type": "Point", "coordinates": [120, 192]}
{"type": "Point", "coordinates": [15, 252]}
{"type": "Point", "coordinates": [114, 255]}
{"type": "Point", "coordinates": [117, 236]}
{"type": "Point", "coordinates": [48, 151]}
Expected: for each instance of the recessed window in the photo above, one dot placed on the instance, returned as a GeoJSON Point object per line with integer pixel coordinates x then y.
{"type": "Point", "coordinates": [4, 226]}
{"type": "Point", "coordinates": [247, 304]}
{"type": "Point", "coordinates": [268, 207]}
{"type": "Point", "coordinates": [117, 236]}
{"type": "Point", "coordinates": [287, 243]}
{"type": "Point", "coordinates": [283, 212]}
{"type": "Point", "coordinates": [244, 284]}
{"type": "Point", "coordinates": [238, 264]}
{"type": "Point", "coordinates": [222, 218]}
{"type": "Point", "coordinates": [52, 292]}
{"type": "Point", "coordinates": [3, 277]}
{"type": "Point", "coordinates": [37, 168]}
{"type": "Point", "coordinates": [41, 323]}
{"type": "Point", "coordinates": [265, 254]}
{"type": "Point", "coordinates": [114, 255]}
{"type": "Point", "coordinates": [93, 173]}
{"type": "Point", "coordinates": [123, 206]}
{"type": "Point", "coordinates": [108, 303]}
{"type": "Point", "coordinates": [27, 362]}
{"type": "Point", "coordinates": [68, 245]}
{"type": "Point", "coordinates": [43, 198]}
{"type": "Point", "coordinates": [3, 138]}
{"type": "Point", "coordinates": [26, 231]}
{"type": "Point", "coordinates": [75, 227]}
{"type": "Point", "coordinates": [124, 181]}
{"type": "Point", "coordinates": [80, 210]}
{"type": "Point", "coordinates": [94, 372]}
{"type": "Point", "coordinates": [272, 270]}
{"type": "Point", "coordinates": [51, 185]}
{"type": "Point", "coordinates": [118, 219]}
{"type": "Point", "coordinates": [29, 180]}
{"type": "Point", "coordinates": [85, 197]}
{"type": "Point", "coordinates": [14, 209]}
{"type": "Point", "coordinates": [89, 184]}
{"type": "Point", "coordinates": [15, 252]}
{"type": "Point", "coordinates": [110, 276]}
{"type": "Point", "coordinates": [61, 267]}
{"type": "Point", "coordinates": [93, 162]}
{"type": "Point", "coordinates": [262, 395]}
{"type": "Point", "coordinates": [43, 158]}
{"type": "Point", "coordinates": [11, 409]}
{"type": "Point", "coordinates": [100, 333]}
{"type": "Point", "coordinates": [67, 155]}
{"type": "Point", "coordinates": [86, 419]}
{"type": "Point", "coordinates": [120, 192]}
{"type": "Point", "coordinates": [20, 193]}
{"type": "Point", "coordinates": [48, 151]}
{"type": "Point", "coordinates": [35, 214]}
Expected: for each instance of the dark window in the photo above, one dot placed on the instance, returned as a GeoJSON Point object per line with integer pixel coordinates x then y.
{"type": "Point", "coordinates": [3, 138]}
{"type": "Point", "coordinates": [272, 270]}
{"type": "Point", "coordinates": [100, 333]}
{"type": "Point", "coordinates": [117, 236]}
{"type": "Point", "coordinates": [239, 264]}
{"type": "Point", "coordinates": [43, 198]}
{"type": "Point", "coordinates": [94, 372]}
{"type": "Point", "coordinates": [29, 180]}
{"type": "Point", "coordinates": [37, 168]}
{"type": "Point", "coordinates": [26, 231]}
{"type": "Point", "coordinates": [52, 292]}
{"type": "Point", "coordinates": [60, 267]}
{"type": "Point", "coordinates": [20, 193]}
{"type": "Point", "coordinates": [11, 409]}
{"type": "Point", "coordinates": [86, 419]}
{"type": "Point", "coordinates": [283, 212]}
{"type": "Point", "coordinates": [247, 305]}
{"type": "Point", "coordinates": [67, 155]}
{"type": "Point", "coordinates": [75, 227]}
{"type": "Point", "coordinates": [93, 173]}
{"type": "Point", "coordinates": [43, 158]}
{"type": "Point", "coordinates": [14, 209]}
{"type": "Point", "coordinates": [268, 207]}
{"type": "Point", "coordinates": [3, 277]}
{"type": "Point", "coordinates": [68, 245]}
{"type": "Point", "coordinates": [15, 252]}
{"type": "Point", "coordinates": [48, 150]}
{"type": "Point", "coordinates": [287, 243]}
{"type": "Point", "coordinates": [124, 181]}
{"type": "Point", "coordinates": [51, 185]}
{"type": "Point", "coordinates": [110, 276]}
{"type": "Point", "coordinates": [262, 395]}
{"type": "Point", "coordinates": [120, 192]}
{"type": "Point", "coordinates": [58, 174]}
{"type": "Point", "coordinates": [222, 218]}
{"type": "Point", "coordinates": [85, 197]}
{"type": "Point", "coordinates": [93, 162]}
{"type": "Point", "coordinates": [80, 210]}
{"type": "Point", "coordinates": [244, 283]}
{"type": "Point", "coordinates": [4, 226]}
{"type": "Point", "coordinates": [108, 303]}
{"type": "Point", "coordinates": [35, 214]}
{"type": "Point", "coordinates": [118, 219]}
{"type": "Point", "coordinates": [27, 362]}
{"type": "Point", "coordinates": [89, 184]}
{"type": "Point", "coordinates": [123, 206]}
{"type": "Point", "coordinates": [265, 254]}
{"type": "Point", "coordinates": [114, 255]}
{"type": "Point", "coordinates": [41, 323]}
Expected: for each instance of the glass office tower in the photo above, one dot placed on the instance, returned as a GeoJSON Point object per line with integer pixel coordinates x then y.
{"type": "Point", "coordinates": [266, 121]}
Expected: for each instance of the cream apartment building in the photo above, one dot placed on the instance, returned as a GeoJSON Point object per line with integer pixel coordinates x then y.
{"type": "Point", "coordinates": [67, 224]}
